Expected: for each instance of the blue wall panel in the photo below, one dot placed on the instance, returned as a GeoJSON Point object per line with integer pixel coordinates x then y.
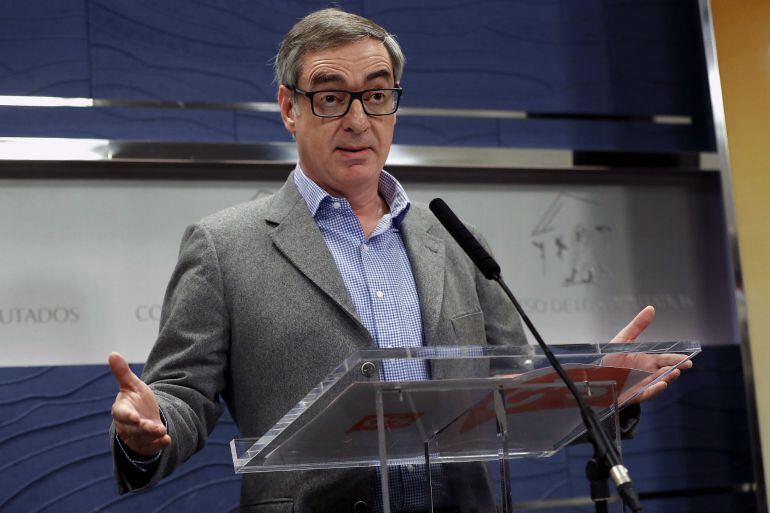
{"type": "Point", "coordinates": [505, 55]}
{"type": "Point", "coordinates": [170, 50]}
{"type": "Point", "coordinates": [430, 131]}
{"type": "Point", "coordinates": [130, 124]}
{"type": "Point", "coordinates": [593, 56]}
{"type": "Point", "coordinates": [53, 438]}
{"type": "Point", "coordinates": [260, 126]}
{"type": "Point", "coordinates": [44, 48]}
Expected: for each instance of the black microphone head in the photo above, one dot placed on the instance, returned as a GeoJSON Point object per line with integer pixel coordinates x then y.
{"type": "Point", "coordinates": [447, 217]}
{"type": "Point", "coordinates": [483, 260]}
{"type": "Point", "coordinates": [436, 205]}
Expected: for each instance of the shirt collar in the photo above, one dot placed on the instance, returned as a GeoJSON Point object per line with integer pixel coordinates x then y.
{"type": "Point", "coordinates": [389, 188]}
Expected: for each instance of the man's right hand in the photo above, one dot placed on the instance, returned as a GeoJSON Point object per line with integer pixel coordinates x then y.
{"type": "Point", "coordinates": [135, 411]}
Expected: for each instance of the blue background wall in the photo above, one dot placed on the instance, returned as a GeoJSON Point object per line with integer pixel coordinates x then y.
{"type": "Point", "coordinates": [590, 56]}
{"type": "Point", "coordinates": [587, 56]}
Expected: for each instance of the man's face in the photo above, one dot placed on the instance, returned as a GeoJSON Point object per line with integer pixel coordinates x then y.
{"type": "Point", "coordinates": [343, 155]}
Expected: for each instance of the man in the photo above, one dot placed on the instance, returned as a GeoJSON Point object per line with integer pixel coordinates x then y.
{"type": "Point", "coordinates": [269, 296]}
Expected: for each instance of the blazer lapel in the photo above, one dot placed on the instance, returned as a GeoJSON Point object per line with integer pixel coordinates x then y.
{"type": "Point", "coordinates": [427, 253]}
{"type": "Point", "coordinates": [297, 236]}
{"type": "Point", "coordinates": [427, 256]}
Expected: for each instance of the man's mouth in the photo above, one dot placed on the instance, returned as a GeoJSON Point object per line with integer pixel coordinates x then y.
{"type": "Point", "coordinates": [354, 151]}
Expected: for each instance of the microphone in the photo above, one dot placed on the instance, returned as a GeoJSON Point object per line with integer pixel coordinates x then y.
{"type": "Point", "coordinates": [483, 260]}
{"type": "Point", "coordinates": [604, 449]}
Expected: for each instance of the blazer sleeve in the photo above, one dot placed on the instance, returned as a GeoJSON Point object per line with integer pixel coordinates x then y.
{"type": "Point", "coordinates": [188, 366]}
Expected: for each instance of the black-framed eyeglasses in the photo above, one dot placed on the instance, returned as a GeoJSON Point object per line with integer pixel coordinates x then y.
{"type": "Point", "coordinates": [336, 103]}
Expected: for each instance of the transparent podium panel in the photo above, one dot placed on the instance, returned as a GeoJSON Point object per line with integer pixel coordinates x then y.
{"type": "Point", "coordinates": [480, 404]}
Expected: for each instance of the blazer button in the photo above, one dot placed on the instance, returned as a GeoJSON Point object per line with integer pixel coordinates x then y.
{"type": "Point", "coordinates": [368, 369]}
{"type": "Point", "coordinates": [360, 507]}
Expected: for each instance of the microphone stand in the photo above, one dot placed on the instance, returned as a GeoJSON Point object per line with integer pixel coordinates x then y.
{"type": "Point", "coordinates": [606, 454]}
{"type": "Point", "coordinates": [598, 476]}
{"type": "Point", "coordinates": [606, 459]}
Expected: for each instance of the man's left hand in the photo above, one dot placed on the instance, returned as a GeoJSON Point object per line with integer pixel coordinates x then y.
{"type": "Point", "coordinates": [656, 364]}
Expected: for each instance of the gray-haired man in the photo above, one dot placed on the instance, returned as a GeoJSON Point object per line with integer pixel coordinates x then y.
{"type": "Point", "coordinates": [269, 296]}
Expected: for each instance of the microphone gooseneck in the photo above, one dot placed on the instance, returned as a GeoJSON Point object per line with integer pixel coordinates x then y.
{"type": "Point", "coordinates": [603, 447]}
{"type": "Point", "coordinates": [483, 260]}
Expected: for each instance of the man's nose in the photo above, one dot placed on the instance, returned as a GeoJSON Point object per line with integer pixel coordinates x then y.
{"type": "Point", "coordinates": [356, 120]}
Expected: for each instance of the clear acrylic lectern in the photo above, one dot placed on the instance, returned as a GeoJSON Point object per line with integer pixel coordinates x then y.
{"type": "Point", "coordinates": [490, 403]}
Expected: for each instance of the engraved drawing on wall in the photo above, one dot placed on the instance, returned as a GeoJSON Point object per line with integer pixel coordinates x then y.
{"type": "Point", "coordinates": [573, 247]}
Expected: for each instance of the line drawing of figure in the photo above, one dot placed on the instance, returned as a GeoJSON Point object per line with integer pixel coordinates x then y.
{"type": "Point", "coordinates": [560, 247]}
{"type": "Point", "coordinates": [586, 265]}
{"type": "Point", "coordinates": [604, 230]}
{"type": "Point", "coordinates": [541, 246]}
{"type": "Point", "coordinates": [580, 249]}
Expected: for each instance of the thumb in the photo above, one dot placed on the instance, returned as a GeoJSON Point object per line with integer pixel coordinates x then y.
{"type": "Point", "coordinates": [122, 372]}
{"type": "Point", "coordinates": [634, 328]}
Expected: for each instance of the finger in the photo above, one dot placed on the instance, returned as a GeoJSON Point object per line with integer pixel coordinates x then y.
{"type": "Point", "coordinates": [162, 442]}
{"type": "Point", "coordinates": [142, 427]}
{"type": "Point", "coordinates": [651, 392]}
{"type": "Point", "coordinates": [138, 432]}
{"type": "Point", "coordinates": [140, 441]}
{"type": "Point", "coordinates": [671, 360]}
{"type": "Point", "coordinates": [672, 376]}
{"type": "Point", "coordinates": [156, 429]}
{"type": "Point", "coordinates": [636, 326]}
{"type": "Point", "coordinates": [125, 414]}
{"type": "Point", "coordinates": [157, 445]}
{"type": "Point", "coordinates": [122, 372]}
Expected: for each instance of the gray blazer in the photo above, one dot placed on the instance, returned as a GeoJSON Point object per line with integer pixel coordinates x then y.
{"type": "Point", "coordinates": [256, 312]}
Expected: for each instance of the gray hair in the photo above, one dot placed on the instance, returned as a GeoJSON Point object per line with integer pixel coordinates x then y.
{"type": "Point", "coordinates": [330, 28]}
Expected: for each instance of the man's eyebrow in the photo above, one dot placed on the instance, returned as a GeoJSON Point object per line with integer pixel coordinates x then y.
{"type": "Point", "coordinates": [382, 73]}
{"type": "Point", "coordinates": [325, 78]}
{"type": "Point", "coordinates": [328, 78]}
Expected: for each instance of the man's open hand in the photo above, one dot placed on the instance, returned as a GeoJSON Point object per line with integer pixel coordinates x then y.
{"type": "Point", "coordinates": [135, 411]}
{"type": "Point", "coordinates": [656, 364]}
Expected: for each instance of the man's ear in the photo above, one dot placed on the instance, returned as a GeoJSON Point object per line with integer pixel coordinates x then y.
{"type": "Point", "coordinates": [286, 103]}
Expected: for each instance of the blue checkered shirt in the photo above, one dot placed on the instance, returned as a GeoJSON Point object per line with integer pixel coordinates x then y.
{"type": "Point", "coordinates": [379, 279]}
